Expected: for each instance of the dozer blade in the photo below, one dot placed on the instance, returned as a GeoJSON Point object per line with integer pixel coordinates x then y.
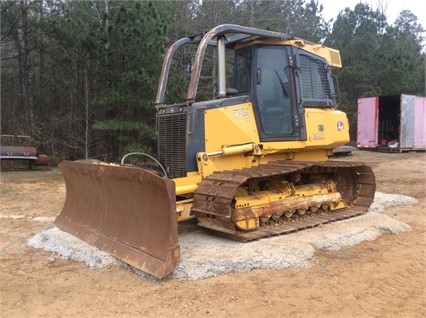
{"type": "Point", "coordinates": [125, 211]}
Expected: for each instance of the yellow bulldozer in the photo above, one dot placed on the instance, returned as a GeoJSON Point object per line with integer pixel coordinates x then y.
{"type": "Point", "coordinates": [248, 164]}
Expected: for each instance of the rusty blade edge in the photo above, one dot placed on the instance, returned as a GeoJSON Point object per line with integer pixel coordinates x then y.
{"type": "Point", "coordinates": [128, 254]}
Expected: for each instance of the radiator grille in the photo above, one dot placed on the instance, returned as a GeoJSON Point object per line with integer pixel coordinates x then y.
{"type": "Point", "coordinates": [172, 144]}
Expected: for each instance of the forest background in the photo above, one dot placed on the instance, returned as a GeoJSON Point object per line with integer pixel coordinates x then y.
{"type": "Point", "coordinates": [80, 77]}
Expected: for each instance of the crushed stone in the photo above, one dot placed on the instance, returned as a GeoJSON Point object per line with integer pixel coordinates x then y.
{"type": "Point", "coordinates": [206, 255]}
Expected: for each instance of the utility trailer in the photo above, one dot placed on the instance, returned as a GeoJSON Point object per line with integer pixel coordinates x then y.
{"type": "Point", "coordinates": [394, 123]}
{"type": "Point", "coordinates": [16, 152]}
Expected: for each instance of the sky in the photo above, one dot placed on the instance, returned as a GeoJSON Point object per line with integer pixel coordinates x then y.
{"type": "Point", "coordinates": [392, 8]}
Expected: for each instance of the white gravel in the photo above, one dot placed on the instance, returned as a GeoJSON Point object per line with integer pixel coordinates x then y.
{"type": "Point", "coordinates": [205, 255]}
{"type": "Point", "coordinates": [67, 246]}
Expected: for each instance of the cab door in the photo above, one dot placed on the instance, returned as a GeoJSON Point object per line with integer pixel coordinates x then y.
{"type": "Point", "coordinates": [274, 94]}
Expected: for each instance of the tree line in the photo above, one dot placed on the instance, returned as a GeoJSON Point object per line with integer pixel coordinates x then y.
{"type": "Point", "coordinates": [80, 77]}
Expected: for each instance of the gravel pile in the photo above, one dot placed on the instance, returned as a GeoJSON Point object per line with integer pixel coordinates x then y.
{"type": "Point", "coordinates": [205, 255]}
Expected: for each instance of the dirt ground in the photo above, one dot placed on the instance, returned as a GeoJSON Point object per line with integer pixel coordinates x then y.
{"type": "Point", "coordinates": [383, 278]}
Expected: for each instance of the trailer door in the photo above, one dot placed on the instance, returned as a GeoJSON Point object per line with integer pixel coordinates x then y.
{"type": "Point", "coordinates": [420, 123]}
{"type": "Point", "coordinates": [406, 138]}
{"type": "Point", "coordinates": [367, 122]}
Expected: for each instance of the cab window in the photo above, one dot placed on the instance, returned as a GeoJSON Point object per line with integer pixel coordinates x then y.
{"type": "Point", "coordinates": [273, 91]}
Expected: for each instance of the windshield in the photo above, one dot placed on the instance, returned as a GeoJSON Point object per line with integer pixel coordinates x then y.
{"type": "Point", "coordinates": [314, 79]}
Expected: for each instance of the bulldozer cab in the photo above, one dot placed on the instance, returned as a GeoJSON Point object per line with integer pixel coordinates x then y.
{"type": "Point", "coordinates": [279, 74]}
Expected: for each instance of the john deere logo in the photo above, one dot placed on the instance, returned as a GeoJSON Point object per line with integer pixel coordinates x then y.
{"type": "Point", "coordinates": [340, 125]}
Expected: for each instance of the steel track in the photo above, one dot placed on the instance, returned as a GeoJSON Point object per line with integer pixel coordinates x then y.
{"type": "Point", "coordinates": [214, 196]}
